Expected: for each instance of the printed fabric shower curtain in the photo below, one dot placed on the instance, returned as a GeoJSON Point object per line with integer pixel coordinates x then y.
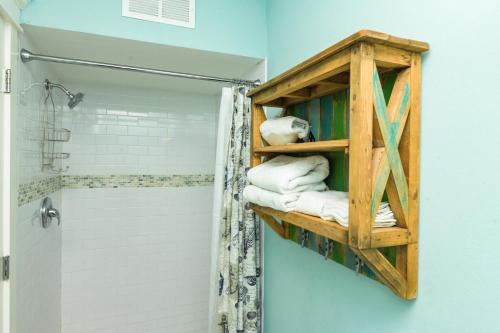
{"type": "Point", "coordinates": [239, 259]}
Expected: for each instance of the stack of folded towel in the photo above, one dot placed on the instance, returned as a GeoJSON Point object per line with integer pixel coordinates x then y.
{"type": "Point", "coordinates": [334, 206]}
{"type": "Point", "coordinates": [265, 198]}
{"type": "Point", "coordinates": [289, 183]}
{"type": "Point", "coordinates": [278, 183]}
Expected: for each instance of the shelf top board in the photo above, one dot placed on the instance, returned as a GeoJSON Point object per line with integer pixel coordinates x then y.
{"type": "Point", "coordinates": [306, 147]}
{"type": "Point", "coordinates": [369, 36]}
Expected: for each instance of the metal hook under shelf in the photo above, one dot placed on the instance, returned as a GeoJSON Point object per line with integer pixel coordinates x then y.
{"type": "Point", "coordinates": [360, 265]}
{"type": "Point", "coordinates": [304, 237]}
{"type": "Point", "coordinates": [328, 245]}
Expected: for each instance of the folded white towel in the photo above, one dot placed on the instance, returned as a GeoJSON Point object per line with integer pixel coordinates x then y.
{"type": "Point", "coordinates": [287, 174]}
{"type": "Point", "coordinates": [312, 203]}
{"type": "Point", "coordinates": [261, 197]}
{"type": "Point", "coordinates": [334, 206]}
{"type": "Point", "coordinates": [281, 131]}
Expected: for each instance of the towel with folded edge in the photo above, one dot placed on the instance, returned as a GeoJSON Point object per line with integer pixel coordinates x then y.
{"type": "Point", "coordinates": [285, 130]}
{"type": "Point", "coordinates": [288, 174]}
{"type": "Point", "coordinates": [261, 197]}
{"type": "Point", "coordinates": [334, 206]}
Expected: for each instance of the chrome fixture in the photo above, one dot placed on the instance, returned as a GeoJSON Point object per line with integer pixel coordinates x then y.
{"type": "Point", "coordinates": [48, 213]}
{"type": "Point", "coordinates": [52, 134]}
{"type": "Point", "coordinates": [27, 56]}
{"type": "Point", "coordinates": [73, 99]}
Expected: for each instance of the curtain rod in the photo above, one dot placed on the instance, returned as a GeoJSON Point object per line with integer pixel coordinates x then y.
{"type": "Point", "coordinates": [27, 56]}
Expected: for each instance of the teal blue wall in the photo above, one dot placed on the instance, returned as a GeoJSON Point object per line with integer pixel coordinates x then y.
{"type": "Point", "coordinates": [460, 180]}
{"type": "Point", "coordinates": [227, 26]}
{"type": "Point", "coordinates": [460, 183]}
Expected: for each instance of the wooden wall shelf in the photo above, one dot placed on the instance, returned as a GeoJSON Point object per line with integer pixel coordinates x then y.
{"type": "Point", "coordinates": [382, 141]}
{"type": "Point", "coordinates": [382, 237]}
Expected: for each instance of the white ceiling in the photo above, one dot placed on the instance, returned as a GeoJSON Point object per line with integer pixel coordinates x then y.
{"type": "Point", "coordinates": [78, 45]}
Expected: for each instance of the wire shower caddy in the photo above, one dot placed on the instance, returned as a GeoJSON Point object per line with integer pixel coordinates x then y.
{"type": "Point", "coordinates": [52, 135]}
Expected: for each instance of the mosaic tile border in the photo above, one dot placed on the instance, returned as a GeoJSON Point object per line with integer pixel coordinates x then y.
{"type": "Point", "coordinates": [41, 187]}
{"type": "Point", "coordinates": [119, 181]}
{"type": "Point", "coordinates": [37, 188]}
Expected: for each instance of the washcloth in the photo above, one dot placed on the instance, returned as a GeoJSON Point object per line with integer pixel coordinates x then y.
{"type": "Point", "coordinates": [287, 174]}
{"type": "Point", "coordinates": [334, 206]}
{"type": "Point", "coordinates": [282, 131]}
{"type": "Point", "coordinates": [261, 197]}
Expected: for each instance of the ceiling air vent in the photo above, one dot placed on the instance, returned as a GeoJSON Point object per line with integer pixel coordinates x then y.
{"type": "Point", "coordinates": [175, 12]}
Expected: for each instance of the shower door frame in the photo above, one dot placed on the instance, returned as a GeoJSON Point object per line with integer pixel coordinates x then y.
{"type": "Point", "coordinates": [9, 29]}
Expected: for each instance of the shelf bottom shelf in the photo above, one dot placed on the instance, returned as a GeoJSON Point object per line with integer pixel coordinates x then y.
{"type": "Point", "coordinates": [381, 237]}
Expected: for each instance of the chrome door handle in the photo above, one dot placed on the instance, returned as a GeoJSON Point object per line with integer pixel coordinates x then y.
{"type": "Point", "coordinates": [48, 213]}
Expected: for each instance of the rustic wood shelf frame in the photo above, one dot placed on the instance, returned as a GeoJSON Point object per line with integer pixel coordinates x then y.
{"type": "Point", "coordinates": [383, 146]}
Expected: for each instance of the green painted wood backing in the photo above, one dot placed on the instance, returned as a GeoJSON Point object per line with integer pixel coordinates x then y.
{"type": "Point", "coordinates": [328, 117]}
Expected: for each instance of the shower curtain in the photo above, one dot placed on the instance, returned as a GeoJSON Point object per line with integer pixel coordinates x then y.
{"type": "Point", "coordinates": [237, 278]}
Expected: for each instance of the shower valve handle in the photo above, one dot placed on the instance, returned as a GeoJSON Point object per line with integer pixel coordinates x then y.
{"type": "Point", "coordinates": [54, 213]}
{"type": "Point", "coordinates": [48, 213]}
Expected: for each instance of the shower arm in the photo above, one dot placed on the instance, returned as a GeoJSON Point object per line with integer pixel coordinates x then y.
{"type": "Point", "coordinates": [49, 85]}
{"type": "Point", "coordinates": [27, 56]}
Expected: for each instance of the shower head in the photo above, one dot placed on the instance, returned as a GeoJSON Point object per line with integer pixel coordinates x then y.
{"type": "Point", "coordinates": [73, 99]}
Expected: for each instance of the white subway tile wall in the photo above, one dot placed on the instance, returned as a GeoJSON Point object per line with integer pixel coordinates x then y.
{"type": "Point", "coordinates": [136, 260]}
{"type": "Point", "coordinates": [124, 131]}
{"type": "Point", "coordinates": [38, 271]}
{"type": "Point", "coordinates": [38, 251]}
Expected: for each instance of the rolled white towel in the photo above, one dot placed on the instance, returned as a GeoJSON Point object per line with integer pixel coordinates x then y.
{"type": "Point", "coordinates": [287, 174]}
{"type": "Point", "coordinates": [334, 206]}
{"type": "Point", "coordinates": [282, 131]}
{"type": "Point", "coordinates": [261, 197]}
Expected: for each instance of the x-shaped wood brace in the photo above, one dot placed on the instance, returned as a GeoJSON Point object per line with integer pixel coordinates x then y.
{"type": "Point", "coordinates": [391, 119]}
